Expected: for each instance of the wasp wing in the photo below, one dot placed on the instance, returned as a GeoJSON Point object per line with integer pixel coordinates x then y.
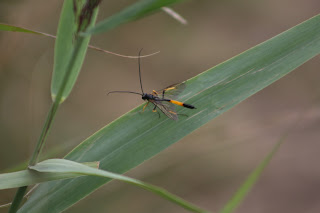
{"type": "Point", "coordinates": [167, 108]}
{"type": "Point", "coordinates": [172, 91]}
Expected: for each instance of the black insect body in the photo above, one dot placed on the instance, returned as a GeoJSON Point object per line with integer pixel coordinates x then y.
{"type": "Point", "coordinates": [165, 104]}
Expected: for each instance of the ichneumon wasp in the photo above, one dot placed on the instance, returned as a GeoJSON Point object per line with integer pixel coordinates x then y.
{"type": "Point", "coordinates": [165, 104]}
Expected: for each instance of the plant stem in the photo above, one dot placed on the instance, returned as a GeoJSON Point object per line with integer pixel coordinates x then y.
{"type": "Point", "coordinates": [50, 117]}
{"type": "Point", "coordinates": [17, 199]}
{"type": "Point", "coordinates": [44, 134]}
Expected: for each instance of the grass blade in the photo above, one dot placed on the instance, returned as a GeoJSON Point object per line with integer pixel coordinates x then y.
{"type": "Point", "coordinates": [67, 167]}
{"type": "Point", "coordinates": [134, 12]}
{"type": "Point", "coordinates": [64, 47]}
{"type": "Point", "coordinates": [6, 27]}
{"type": "Point", "coordinates": [82, 14]}
{"type": "Point", "coordinates": [29, 177]}
{"type": "Point", "coordinates": [250, 181]}
{"type": "Point", "coordinates": [136, 137]}
{"type": "Point", "coordinates": [56, 169]}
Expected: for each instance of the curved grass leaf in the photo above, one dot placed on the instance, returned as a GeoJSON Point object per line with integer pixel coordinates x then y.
{"type": "Point", "coordinates": [136, 137]}
{"type": "Point", "coordinates": [28, 177]}
{"type": "Point", "coordinates": [134, 12]}
{"type": "Point", "coordinates": [250, 181]}
{"type": "Point", "coordinates": [68, 167]}
{"type": "Point", "coordinates": [64, 46]}
{"type": "Point", "coordinates": [56, 169]}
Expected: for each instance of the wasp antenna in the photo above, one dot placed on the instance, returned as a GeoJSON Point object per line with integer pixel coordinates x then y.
{"type": "Point", "coordinates": [140, 70]}
{"type": "Point", "coordinates": [124, 92]}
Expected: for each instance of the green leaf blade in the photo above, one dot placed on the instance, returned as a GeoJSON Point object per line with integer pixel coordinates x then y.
{"type": "Point", "coordinates": [28, 177]}
{"type": "Point", "coordinates": [250, 181]}
{"type": "Point", "coordinates": [134, 12]}
{"type": "Point", "coordinates": [135, 137]}
{"type": "Point", "coordinates": [64, 47]}
{"type": "Point", "coordinates": [67, 167]}
{"type": "Point", "coordinates": [7, 27]}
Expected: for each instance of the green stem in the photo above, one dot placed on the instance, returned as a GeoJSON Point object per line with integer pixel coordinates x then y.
{"type": "Point", "coordinates": [17, 199]}
{"type": "Point", "coordinates": [45, 130]}
{"type": "Point", "coordinates": [44, 134]}
{"type": "Point", "coordinates": [56, 103]}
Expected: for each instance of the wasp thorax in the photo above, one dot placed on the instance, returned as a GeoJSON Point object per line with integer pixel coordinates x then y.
{"type": "Point", "coordinates": [146, 96]}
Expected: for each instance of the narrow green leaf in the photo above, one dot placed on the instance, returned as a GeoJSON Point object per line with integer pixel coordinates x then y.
{"type": "Point", "coordinates": [6, 27]}
{"type": "Point", "coordinates": [241, 193]}
{"type": "Point", "coordinates": [134, 12]}
{"type": "Point", "coordinates": [136, 137]}
{"type": "Point", "coordinates": [66, 167]}
{"type": "Point", "coordinates": [63, 50]}
{"type": "Point", "coordinates": [55, 169]}
{"type": "Point", "coordinates": [29, 177]}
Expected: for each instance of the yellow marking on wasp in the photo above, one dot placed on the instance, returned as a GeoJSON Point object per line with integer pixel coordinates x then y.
{"type": "Point", "coordinates": [154, 92]}
{"type": "Point", "coordinates": [170, 88]}
{"type": "Point", "coordinates": [176, 102]}
{"type": "Point", "coordinates": [154, 110]}
{"type": "Point", "coordinates": [145, 106]}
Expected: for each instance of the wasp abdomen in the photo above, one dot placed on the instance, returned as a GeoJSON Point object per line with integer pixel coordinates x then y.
{"type": "Point", "coordinates": [188, 106]}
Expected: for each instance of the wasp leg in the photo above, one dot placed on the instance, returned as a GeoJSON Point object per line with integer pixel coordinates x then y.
{"type": "Point", "coordinates": [167, 89]}
{"type": "Point", "coordinates": [155, 110]}
{"type": "Point", "coordinates": [163, 93]}
{"type": "Point", "coordinates": [145, 106]}
{"type": "Point", "coordinates": [154, 93]}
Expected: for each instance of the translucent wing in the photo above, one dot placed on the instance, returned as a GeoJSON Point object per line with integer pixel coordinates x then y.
{"type": "Point", "coordinates": [172, 91]}
{"type": "Point", "coordinates": [167, 108]}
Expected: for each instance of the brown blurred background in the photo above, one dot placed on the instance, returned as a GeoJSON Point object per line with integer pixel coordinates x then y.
{"type": "Point", "coordinates": [207, 166]}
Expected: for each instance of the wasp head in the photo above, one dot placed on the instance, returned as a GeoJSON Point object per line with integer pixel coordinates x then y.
{"type": "Point", "coordinates": [146, 96]}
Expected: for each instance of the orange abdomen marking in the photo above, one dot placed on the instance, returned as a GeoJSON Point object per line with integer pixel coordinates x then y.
{"type": "Point", "coordinates": [176, 102]}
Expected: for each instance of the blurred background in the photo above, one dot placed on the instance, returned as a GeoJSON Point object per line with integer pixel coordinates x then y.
{"type": "Point", "coordinates": [207, 166]}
